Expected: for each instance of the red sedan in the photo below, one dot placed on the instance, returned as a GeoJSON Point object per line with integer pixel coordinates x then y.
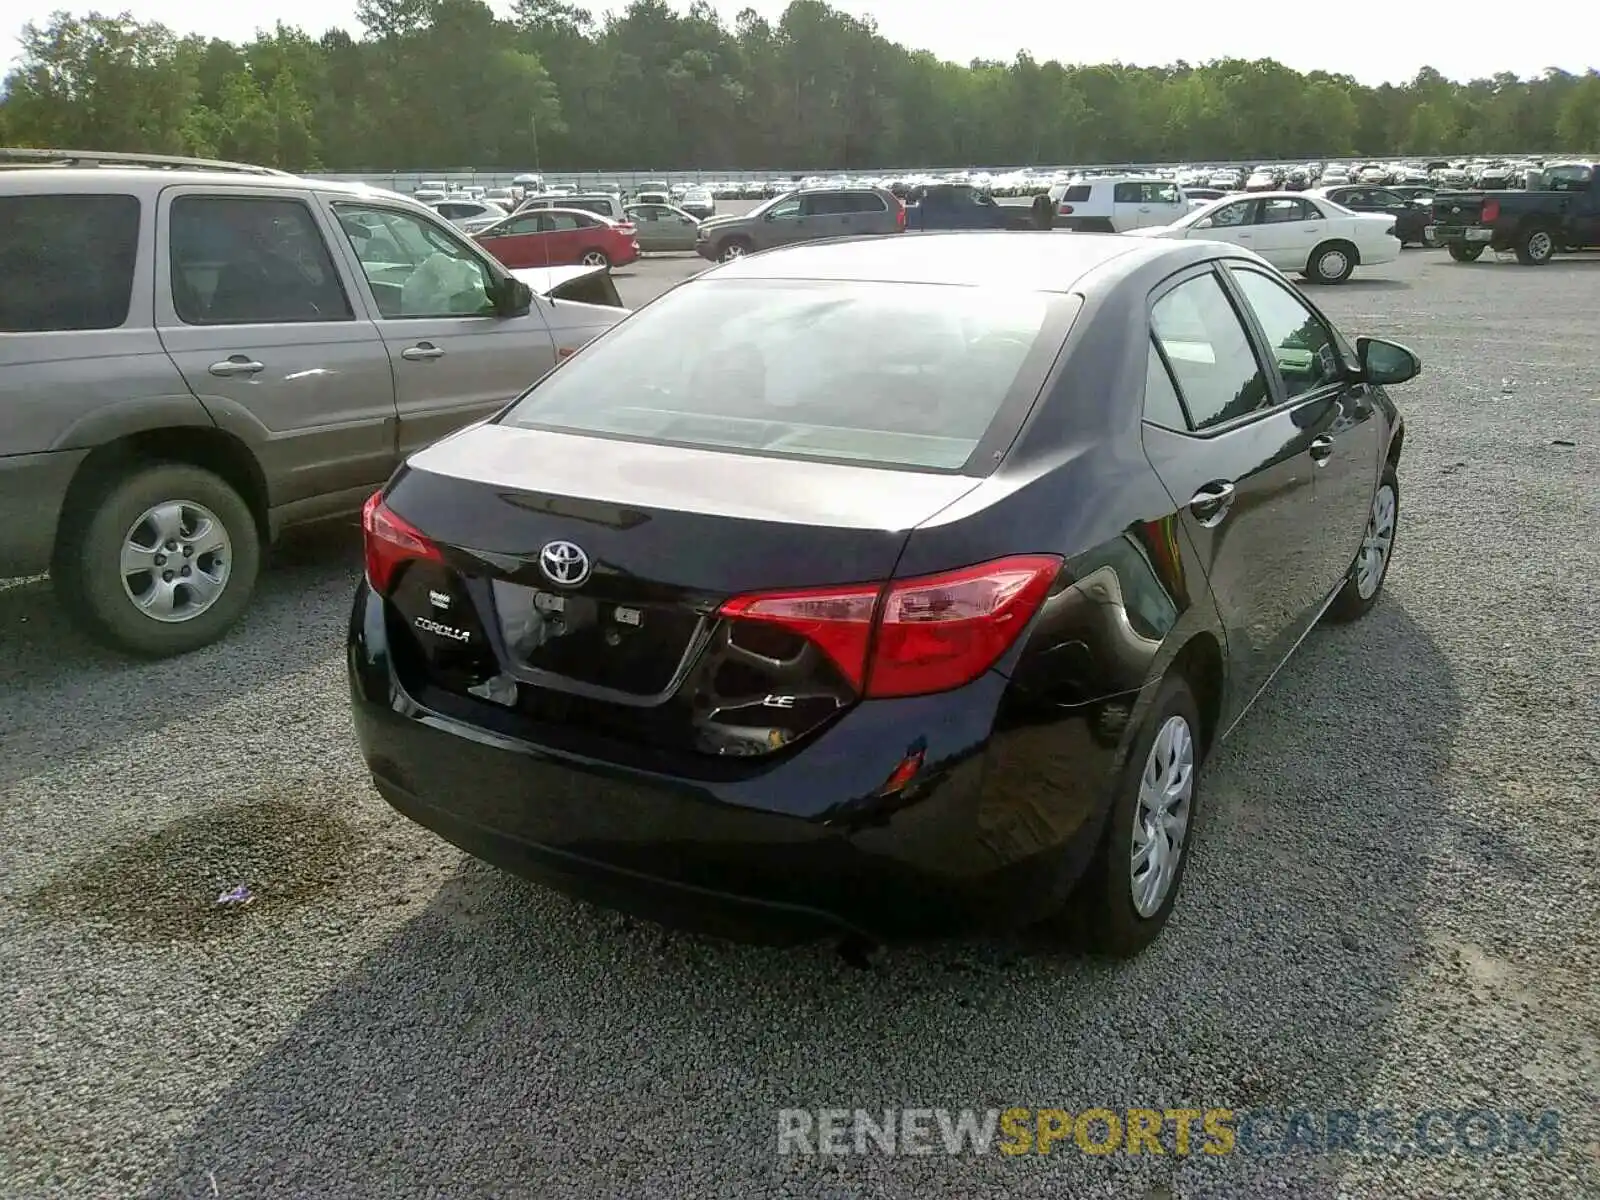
{"type": "Point", "coordinates": [560, 237]}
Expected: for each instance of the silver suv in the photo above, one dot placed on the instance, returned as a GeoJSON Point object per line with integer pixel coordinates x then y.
{"type": "Point", "coordinates": [801, 216]}
{"type": "Point", "coordinates": [196, 356]}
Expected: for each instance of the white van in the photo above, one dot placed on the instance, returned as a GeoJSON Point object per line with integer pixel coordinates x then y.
{"type": "Point", "coordinates": [1117, 203]}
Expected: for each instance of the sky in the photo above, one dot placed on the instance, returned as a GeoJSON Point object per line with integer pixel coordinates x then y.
{"type": "Point", "coordinates": [1376, 41]}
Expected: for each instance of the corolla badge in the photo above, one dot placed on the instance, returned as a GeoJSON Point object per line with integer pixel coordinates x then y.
{"type": "Point", "coordinates": [428, 625]}
{"type": "Point", "coordinates": [564, 563]}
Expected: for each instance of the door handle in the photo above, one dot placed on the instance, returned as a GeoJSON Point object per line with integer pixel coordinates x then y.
{"type": "Point", "coordinates": [1321, 449]}
{"type": "Point", "coordinates": [235, 364]}
{"type": "Point", "coordinates": [421, 351]}
{"type": "Point", "coordinates": [1211, 503]}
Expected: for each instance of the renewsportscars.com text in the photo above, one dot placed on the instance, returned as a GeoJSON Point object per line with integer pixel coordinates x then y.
{"type": "Point", "coordinates": [1163, 1131]}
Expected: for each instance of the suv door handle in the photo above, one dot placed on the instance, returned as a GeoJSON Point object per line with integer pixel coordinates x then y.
{"type": "Point", "coordinates": [422, 350]}
{"type": "Point", "coordinates": [235, 364]}
{"type": "Point", "coordinates": [1212, 502]}
{"type": "Point", "coordinates": [1321, 449]}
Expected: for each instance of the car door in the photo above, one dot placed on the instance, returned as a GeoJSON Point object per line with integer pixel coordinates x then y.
{"type": "Point", "coordinates": [678, 229]}
{"type": "Point", "coordinates": [253, 309]}
{"type": "Point", "coordinates": [650, 229]}
{"type": "Point", "coordinates": [1128, 207]}
{"type": "Point", "coordinates": [788, 221]}
{"type": "Point", "coordinates": [455, 360]}
{"type": "Point", "coordinates": [1239, 471]}
{"type": "Point", "coordinates": [1233, 223]}
{"type": "Point", "coordinates": [1163, 204]}
{"type": "Point", "coordinates": [564, 236]}
{"type": "Point", "coordinates": [1314, 367]}
{"type": "Point", "coordinates": [519, 242]}
{"type": "Point", "coordinates": [1286, 230]}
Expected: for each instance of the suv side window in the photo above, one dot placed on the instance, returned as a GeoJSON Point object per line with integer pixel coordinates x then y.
{"type": "Point", "coordinates": [1161, 404]}
{"type": "Point", "coordinates": [1161, 193]}
{"type": "Point", "coordinates": [1128, 193]}
{"type": "Point", "coordinates": [863, 202]}
{"type": "Point", "coordinates": [1204, 340]}
{"type": "Point", "coordinates": [246, 260]}
{"type": "Point", "coordinates": [1301, 344]}
{"type": "Point", "coordinates": [1076, 194]}
{"type": "Point", "coordinates": [416, 269]}
{"type": "Point", "coordinates": [789, 207]}
{"type": "Point", "coordinates": [67, 262]}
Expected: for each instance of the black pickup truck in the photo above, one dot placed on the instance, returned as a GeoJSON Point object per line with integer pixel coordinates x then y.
{"type": "Point", "coordinates": [1562, 213]}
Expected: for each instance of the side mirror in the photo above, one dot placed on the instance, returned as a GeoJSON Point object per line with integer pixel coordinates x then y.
{"type": "Point", "coordinates": [513, 298]}
{"type": "Point", "coordinates": [1384, 362]}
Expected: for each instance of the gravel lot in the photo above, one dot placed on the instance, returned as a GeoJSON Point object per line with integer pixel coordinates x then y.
{"type": "Point", "coordinates": [1396, 902]}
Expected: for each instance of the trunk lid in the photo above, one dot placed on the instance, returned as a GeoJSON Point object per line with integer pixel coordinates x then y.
{"type": "Point", "coordinates": [1458, 208]}
{"type": "Point", "coordinates": [581, 579]}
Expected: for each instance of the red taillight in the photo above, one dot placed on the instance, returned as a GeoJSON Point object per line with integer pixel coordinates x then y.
{"type": "Point", "coordinates": [914, 636]}
{"type": "Point", "coordinates": [626, 229]}
{"type": "Point", "coordinates": [1491, 211]}
{"type": "Point", "coordinates": [900, 217]}
{"type": "Point", "coordinates": [1065, 210]}
{"type": "Point", "coordinates": [390, 540]}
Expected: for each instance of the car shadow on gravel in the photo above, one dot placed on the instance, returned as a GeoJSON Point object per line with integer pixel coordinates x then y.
{"type": "Point", "coordinates": [62, 696]}
{"type": "Point", "coordinates": [509, 1041]}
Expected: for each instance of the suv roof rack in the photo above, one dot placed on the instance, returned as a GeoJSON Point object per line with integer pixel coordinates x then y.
{"type": "Point", "coordinates": [18, 156]}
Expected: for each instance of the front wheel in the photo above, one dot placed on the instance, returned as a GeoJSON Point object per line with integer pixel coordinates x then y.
{"type": "Point", "coordinates": [1364, 581]}
{"type": "Point", "coordinates": [163, 562]}
{"type": "Point", "coordinates": [1465, 251]}
{"type": "Point", "coordinates": [733, 248]}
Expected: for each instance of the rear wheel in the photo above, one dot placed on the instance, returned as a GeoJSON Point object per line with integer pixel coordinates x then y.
{"type": "Point", "coordinates": [596, 258]}
{"type": "Point", "coordinates": [162, 562]}
{"type": "Point", "coordinates": [1331, 262]}
{"type": "Point", "coordinates": [1364, 581]}
{"type": "Point", "coordinates": [1535, 247]}
{"type": "Point", "coordinates": [1125, 897]}
{"type": "Point", "coordinates": [1465, 252]}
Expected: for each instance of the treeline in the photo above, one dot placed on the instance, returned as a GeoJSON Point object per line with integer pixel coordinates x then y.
{"type": "Point", "coordinates": [446, 83]}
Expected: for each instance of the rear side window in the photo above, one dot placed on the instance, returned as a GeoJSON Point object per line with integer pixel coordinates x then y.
{"type": "Point", "coordinates": [1076, 194]}
{"type": "Point", "coordinates": [892, 374]}
{"type": "Point", "coordinates": [66, 261]}
{"type": "Point", "coordinates": [1212, 360]}
{"type": "Point", "coordinates": [247, 261]}
{"type": "Point", "coordinates": [1128, 193]}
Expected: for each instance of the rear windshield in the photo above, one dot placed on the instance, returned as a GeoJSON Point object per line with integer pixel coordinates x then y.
{"type": "Point", "coordinates": [907, 375]}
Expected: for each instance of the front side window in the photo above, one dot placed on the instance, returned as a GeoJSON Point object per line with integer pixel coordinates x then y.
{"type": "Point", "coordinates": [1212, 360]}
{"type": "Point", "coordinates": [414, 267]}
{"type": "Point", "coordinates": [1161, 404]}
{"type": "Point", "coordinates": [66, 261]}
{"type": "Point", "coordinates": [1161, 193]}
{"type": "Point", "coordinates": [1299, 341]}
{"type": "Point", "coordinates": [785, 208]}
{"type": "Point", "coordinates": [1231, 215]}
{"type": "Point", "coordinates": [1128, 193]}
{"type": "Point", "coordinates": [902, 375]}
{"type": "Point", "coordinates": [240, 260]}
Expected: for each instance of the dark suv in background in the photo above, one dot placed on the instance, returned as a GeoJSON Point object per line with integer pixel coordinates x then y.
{"type": "Point", "coordinates": [806, 215]}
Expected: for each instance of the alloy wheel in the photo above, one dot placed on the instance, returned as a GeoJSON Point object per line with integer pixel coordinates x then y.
{"type": "Point", "coordinates": [1161, 817]}
{"type": "Point", "coordinates": [175, 561]}
{"type": "Point", "coordinates": [595, 258]}
{"type": "Point", "coordinates": [1373, 560]}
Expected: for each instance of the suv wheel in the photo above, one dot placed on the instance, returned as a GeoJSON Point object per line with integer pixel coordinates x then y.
{"type": "Point", "coordinates": [163, 562]}
{"type": "Point", "coordinates": [732, 248]}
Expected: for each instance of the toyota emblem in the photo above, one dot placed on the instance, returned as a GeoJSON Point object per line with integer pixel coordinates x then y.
{"type": "Point", "coordinates": [564, 563]}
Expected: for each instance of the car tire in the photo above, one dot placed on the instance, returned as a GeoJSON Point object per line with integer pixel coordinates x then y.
{"type": "Point", "coordinates": [1364, 581]}
{"type": "Point", "coordinates": [733, 248]}
{"type": "Point", "coordinates": [1464, 252]}
{"type": "Point", "coordinates": [1331, 262]}
{"type": "Point", "coordinates": [1103, 915]}
{"type": "Point", "coordinates": [1535, 247]}
{"type": "Point", "coordinates": [218, 541]}
{"type": "Point", "coordinates": [596, 258]}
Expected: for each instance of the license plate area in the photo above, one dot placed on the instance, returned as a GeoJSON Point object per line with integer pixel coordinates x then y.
{"type": "Point", "coordinates": [635, 649]}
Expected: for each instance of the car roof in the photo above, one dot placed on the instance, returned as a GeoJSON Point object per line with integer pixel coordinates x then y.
{"type": "Point", "coordinates": [1034, 260]}
{"type": "Point", "coordinates": [45, 179]}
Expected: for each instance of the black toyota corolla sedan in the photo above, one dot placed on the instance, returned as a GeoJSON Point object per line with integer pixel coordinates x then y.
{"type": "Point", "coordinates": [878, 588]}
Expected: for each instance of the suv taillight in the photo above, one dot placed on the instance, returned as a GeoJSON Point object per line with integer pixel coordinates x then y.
{"type": "Point", "coordinates": [1491, 211]}
{"type": "Point", "coordinates": [912, 637]}
{"type": "Point", "coordinates": [1065, 210]}
{"type": "Point", "coordinates": [390, 541]}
